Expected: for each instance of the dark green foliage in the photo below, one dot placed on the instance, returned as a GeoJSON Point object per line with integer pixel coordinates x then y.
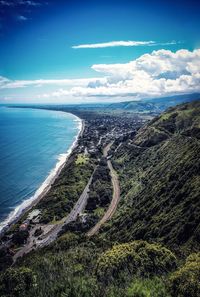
{"type": "Point", "coordinates": [65, 268]}
{"type": "Point", "coordinates": [185, 282]}
{"type": "Point", "coordinates": [20, 237]}
{"type": "Point", "coordinates": [17, 282]}
{"type": "Point", "coordinates": [66, 241]}
{"type": "Point", "coordinates": [159, 178]}
{"type": "Point", "coordinates": [147, 288]}
{"type": "Point", "coordinates": [136, 258]}
{"type": "Point", "coordinates": [100, 189]}
{"type": "Point", "coordinates": [160, 183]}
{"type": "Point", "coordinates": [59, 201]}
{"type": "Point", "coordinates": [79, 226]}
{"type": "Point", "coordinates": [5, 258]}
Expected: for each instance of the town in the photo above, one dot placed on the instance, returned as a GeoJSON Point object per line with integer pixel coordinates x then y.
{"type": "Point", "coordinates": [34, 228]}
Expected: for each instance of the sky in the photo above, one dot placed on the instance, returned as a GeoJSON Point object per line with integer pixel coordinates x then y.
{"type": "Point", "coordinates": [56, 51]}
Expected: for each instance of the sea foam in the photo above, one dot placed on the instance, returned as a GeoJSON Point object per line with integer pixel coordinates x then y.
{"type": "Point", "coordinates": [44, 187]}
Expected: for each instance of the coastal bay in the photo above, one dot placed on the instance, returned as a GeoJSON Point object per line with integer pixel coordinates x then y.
{"type": "Point", "coordinates": [38, 152]}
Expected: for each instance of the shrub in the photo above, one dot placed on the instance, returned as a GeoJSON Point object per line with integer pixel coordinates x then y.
{"type": "Point", "coordinates": [5, 258]}
{"type": "Point", "coordinates": [185, 282]}
{"type": "Point", "coordinates": [20, 237]}
{"type": "Point", "coordinates": [66, 241]}
{"type": "Point", "coordinates": [17, 282]}
{"type": "Point", "coordinates": [147, 288]}
{"type": "Point", "coordinates": [138, 257]}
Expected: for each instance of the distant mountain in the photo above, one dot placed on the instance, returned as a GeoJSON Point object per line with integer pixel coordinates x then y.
{"type": "Point", "coordinates": [159, 176]}
{"type": "Point", "coordinates": [154, 105]}
{"type": "Point", "coordinates": [148, 106]}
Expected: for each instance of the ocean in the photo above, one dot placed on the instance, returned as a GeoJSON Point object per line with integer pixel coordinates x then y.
{"type": "Point", "coordinates": [34, 144]}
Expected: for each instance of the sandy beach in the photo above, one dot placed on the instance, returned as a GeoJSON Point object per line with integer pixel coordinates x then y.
{"type": "Point", "coordinates": [31, 202]}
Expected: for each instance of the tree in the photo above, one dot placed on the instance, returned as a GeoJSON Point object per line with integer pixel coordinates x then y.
{"type": "Point", "coordinates": [185, 282]}
{"type": "Point", "coordinates": [17, 282]}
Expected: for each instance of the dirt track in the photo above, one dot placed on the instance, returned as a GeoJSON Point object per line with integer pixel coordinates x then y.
{"type": "Point", "coordinates": [115, 198]}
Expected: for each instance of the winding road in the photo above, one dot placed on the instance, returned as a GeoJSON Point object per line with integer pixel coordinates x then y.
{"type": "Point", "coordinates": [52, 231]}
{"type": "Point", "coordinates": [115, 198]}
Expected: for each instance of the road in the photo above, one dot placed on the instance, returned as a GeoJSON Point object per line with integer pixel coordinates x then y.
{"type": "Point", "coordinates": [77, 209]}
{"type": "Point", "coordinates": [115, 198]}
{"type": "Point", "coordinates": [51, 231]}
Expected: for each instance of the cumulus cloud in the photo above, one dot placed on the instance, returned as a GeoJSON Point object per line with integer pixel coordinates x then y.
{"type": "Point", "coordinates": [158, 73]}
{"type": "Point", "coordinates": [155, 74]}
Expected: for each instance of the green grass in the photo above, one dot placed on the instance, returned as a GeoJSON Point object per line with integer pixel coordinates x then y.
{"type": "Point", "coordinates": [99, 211]}
{"type": "Point", "coordinates": [147, 288]}
{"type": "Point", "coordinates": [81, 159]}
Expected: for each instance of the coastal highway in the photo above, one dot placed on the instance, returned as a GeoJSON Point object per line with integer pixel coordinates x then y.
{"type": "Point", "coordinates": [52, 231]}
{"type": "Point", "coordinates": [115, 198]}
{"type": "Point", "coordinates": [77, 209]}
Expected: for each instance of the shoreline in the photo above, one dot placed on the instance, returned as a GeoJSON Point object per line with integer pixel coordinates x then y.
{"type": "Point", "coordinates": [46, 185]}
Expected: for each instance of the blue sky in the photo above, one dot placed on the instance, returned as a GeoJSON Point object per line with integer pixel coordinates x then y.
{"type": "Point", "coordinates": [54, 41]}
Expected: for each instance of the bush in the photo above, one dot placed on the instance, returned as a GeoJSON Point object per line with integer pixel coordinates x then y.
{"type": "Point", "coordinates": [66, 241]}
{"type": "Point", "coordinates": [138, 257]}
{"type": "Point", "coordinates": [20, 237]}
{"type": "Point", "coordinates": [147, 288]}
{"type": "Point", "coordinates": [17, 282]}
{"type": "Point", "coordinates": [185, 282]}
{"type": "Point", "coordinates": [5, 258]}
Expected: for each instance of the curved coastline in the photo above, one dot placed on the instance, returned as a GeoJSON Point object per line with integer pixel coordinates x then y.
{"type": "Point", "coordinates": [30, 202]}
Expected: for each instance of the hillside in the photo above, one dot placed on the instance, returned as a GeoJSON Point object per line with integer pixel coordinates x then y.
{"type": "Point", "coordinates": [153, 105]}
{"type": "Point", "coordinates": [159, 175]}
{"type": "Point", "coordinates": [150, 247]}
{"type": "Point", "coordinates": [142, 107]}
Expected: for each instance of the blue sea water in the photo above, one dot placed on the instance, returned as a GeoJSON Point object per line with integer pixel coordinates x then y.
{"type": "Point", "coordinates": [33, 144]}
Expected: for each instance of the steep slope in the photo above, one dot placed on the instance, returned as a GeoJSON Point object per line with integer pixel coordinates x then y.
{"type": "Point", "coordinates": [159, 176]}
{"type": "Point", "coordinates": [158, 171]}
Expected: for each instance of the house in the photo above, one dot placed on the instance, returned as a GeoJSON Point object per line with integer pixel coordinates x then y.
{"type": "Point", "coordinates": [23, 226]}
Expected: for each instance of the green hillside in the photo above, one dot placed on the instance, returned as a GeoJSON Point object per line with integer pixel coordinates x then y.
{"type": "Point", "coordinates": [154, 105]}
{"type": "Point", "coordinates": [159, 176]}
{"type": "Point", "coordinates": [150, 247]}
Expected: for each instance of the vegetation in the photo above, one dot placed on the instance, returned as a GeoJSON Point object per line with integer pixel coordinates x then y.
{"type": "Point", "coordinates": [17, 282]}
{"type": "Point", "coordinates": [160, 182]}
{"type": "Point", "coordinates": [100, 194]}
{"type": "Point", "coordinates": [66, 190]}
{"type": "Point", "coordinates": [150, 248]}
{"type": "Point", "coordinates": [5, 259]}
{"type": "Point", "coordinates": [137, 258]}
{"type": "Point", "coordinates": [100, 189]}
{"type": "Point", "coordinates": [20, 237]}
{"type": "Point", "coordinates": [186, 281]}
{"type": "Point", "coordinates": [81, 159]}
{"type": "Point", "coordinates": [154, 287]}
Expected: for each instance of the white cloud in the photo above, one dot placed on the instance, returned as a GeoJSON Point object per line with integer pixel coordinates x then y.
{"type": "Point", "coordinates": [159, 73]}
{"type": "Point", "coordinates": [5, 83]}
{"type": "Point", "coordinates": [121, 43]}
{"type": "Point", "coordinates": [113, 44]}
